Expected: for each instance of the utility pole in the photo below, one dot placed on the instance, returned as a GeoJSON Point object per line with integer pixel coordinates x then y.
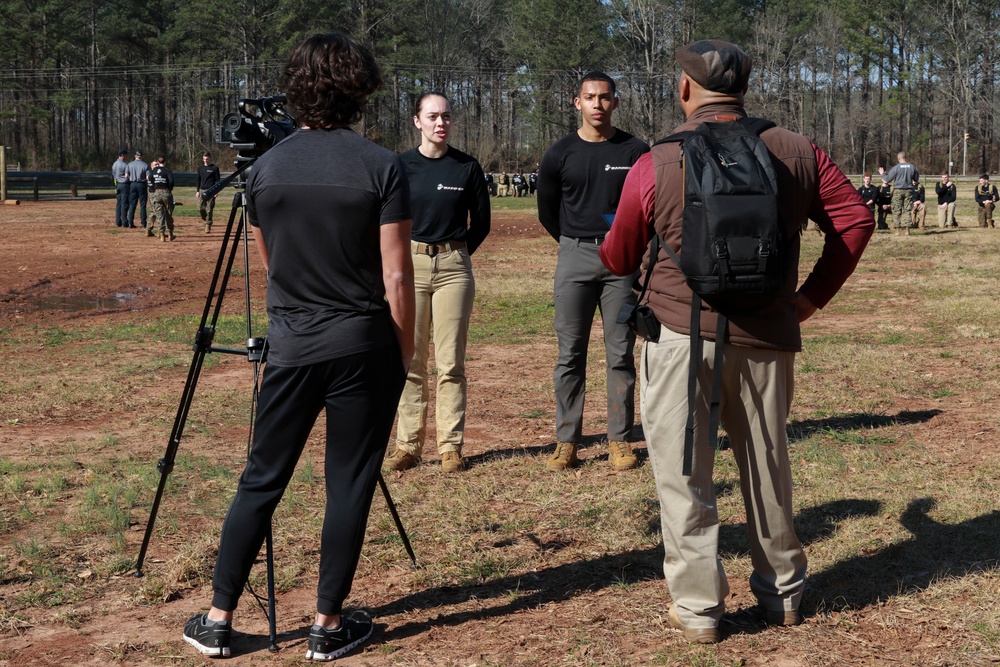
{"type": "Point", "coordinates": [965, 157]}
{"type": "Point", "coordinates": [950, 163]}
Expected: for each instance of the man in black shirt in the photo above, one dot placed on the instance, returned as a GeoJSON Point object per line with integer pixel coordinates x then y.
{"type": "Point", "coordinates": [946, 195]}
{"type": "Point", "coordinates": [580, 181]}
{"type": "Point", "coordinates": [868, 192]}
{"type": "Point", "coordinates": [918, 214]}
{"type": "Point", "coordinates": [987, 198]}
{"type": "Point", "coordinates": [208, 175]}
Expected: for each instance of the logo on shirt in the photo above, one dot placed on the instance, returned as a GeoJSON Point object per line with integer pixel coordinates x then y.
{"type": "Point", "coordinates": [442, 186]}
{"type": "Point", "coordinates": [608, 167]}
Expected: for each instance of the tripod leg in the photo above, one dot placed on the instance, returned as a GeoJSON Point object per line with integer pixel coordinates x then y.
{"type": "Point", "coordinates": [396, 520]}
{"type": "Point", "coordinates": [202, 346]}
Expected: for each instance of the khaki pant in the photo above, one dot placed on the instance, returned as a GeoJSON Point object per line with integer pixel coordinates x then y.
{"type": "Point", "coordinates": [946, 215]}
{"type": "Point", "coordinates": [445, 289]}
{"type": "Point", "coordinates": [918, 215]}
{"type": "Point", "coordinates": [757, 387]}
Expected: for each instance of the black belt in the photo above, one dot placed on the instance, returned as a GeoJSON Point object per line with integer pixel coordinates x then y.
{"type": "Point", "coordinates": [596, 240]}
{"type": "Point", "coordinates": [434, 249]}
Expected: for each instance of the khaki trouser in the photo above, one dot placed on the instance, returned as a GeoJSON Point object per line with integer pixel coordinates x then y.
{"type": "Point", "coordinates": [946, 215]}
{"type": "Point", "coordinates": [918, 215]}
{"type": "Point", "coordinates": [445, 289]}
{"type": "Point", "coordinates": [757, 387]}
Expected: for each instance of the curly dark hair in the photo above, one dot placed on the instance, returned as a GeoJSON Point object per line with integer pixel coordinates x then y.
{"type": "Point", "coordinates": [328, 79]}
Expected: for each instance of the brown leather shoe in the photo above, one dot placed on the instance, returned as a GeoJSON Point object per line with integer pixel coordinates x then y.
{"type": "Point", "coordinates": [620, 455]}
{"type": "Point", "coordinates": [452, 462]}
{"type": "Point", "coordinates": [401, 460]}
{"type": "Point", "coordinates": [564, 457]}
{"type": "Point", "coordinates": [782, 617]}
{"type": "Point", "coordinates": [692, 635]}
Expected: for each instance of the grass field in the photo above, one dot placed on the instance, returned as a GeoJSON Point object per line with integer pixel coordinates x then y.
{"type": "Point", "coordinates": [893, 448]}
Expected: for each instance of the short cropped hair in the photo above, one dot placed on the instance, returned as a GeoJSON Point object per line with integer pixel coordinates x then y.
{"type": "Point", "coordinates": [597, 75]}
{"type": "Point", "coordinates": [985, 176]}
{"type": "Point", "coordinates": [328, 78]}
{"type": "Point", "coordinates": [867, 174]}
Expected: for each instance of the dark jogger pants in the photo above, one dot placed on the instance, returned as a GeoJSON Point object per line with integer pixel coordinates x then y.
{"type": "Point", "coordinates": [360, 393]}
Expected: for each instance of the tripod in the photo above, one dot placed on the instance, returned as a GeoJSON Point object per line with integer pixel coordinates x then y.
{"type": "Point", "coordinates": [255, 352]}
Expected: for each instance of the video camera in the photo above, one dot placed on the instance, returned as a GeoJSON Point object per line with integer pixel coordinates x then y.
{"type": "Point", "coordinates": [259, 125]}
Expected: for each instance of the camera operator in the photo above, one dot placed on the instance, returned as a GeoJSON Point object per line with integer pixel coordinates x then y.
{"type": "Point", "coordinates": [332, 224]}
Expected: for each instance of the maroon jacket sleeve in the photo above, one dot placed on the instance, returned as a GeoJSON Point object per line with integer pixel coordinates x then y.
{"type": "Point", "coordinates": [623, 247]}
{"type": "Point", "coordinates": [848, 225]}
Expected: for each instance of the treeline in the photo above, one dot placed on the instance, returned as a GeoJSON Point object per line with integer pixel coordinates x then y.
{"type": "Point", "coordinates": [864, 78]}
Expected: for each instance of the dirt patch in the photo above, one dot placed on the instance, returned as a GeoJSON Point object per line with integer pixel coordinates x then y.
{"type": "Point", "coordinates": [573, 603]}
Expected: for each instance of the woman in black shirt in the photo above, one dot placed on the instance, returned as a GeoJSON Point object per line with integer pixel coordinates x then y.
{"type": "Point", "coordinates": [451, 217]}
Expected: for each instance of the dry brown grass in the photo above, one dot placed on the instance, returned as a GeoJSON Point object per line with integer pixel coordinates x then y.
{"type": "Point", "coordinates": [892, 445]}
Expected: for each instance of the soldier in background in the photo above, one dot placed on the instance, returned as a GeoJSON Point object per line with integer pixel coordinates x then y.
{"type": "Point", "coordinates": [163, 198]}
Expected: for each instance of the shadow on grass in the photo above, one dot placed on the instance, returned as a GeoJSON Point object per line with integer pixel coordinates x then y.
{"type": "Point", "coordinates": [935, 551]}
{"type": "Point", "coordinates": [529, 590]}
{"type": "Point", "coordinates": [800, 430]}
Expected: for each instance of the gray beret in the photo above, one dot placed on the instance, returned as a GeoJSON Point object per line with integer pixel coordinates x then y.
{"type": "Point", "coordinates": [716, 65]}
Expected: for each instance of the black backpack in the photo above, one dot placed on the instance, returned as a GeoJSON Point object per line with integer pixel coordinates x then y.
{"type": "Point", "coordinates": [734, 242]}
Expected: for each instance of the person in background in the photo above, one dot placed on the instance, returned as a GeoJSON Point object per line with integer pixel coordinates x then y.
{"type": "Point", "coordinates": [947, 196]}
{"type": "Point", "coordinates": [918, 214]}
{"type": "Point", "coordinates": [162, 180]}
{"type": "Point", "coordinates": [884, 206]}
{"type": "Point", "coordinates": [119, 174]}
{"type": "Point", "coordinates": [137, 193]}
{"type": "Point", "coordinates": [451, 219]}
{"type": "Point", "coordinates": [902, 176]}
{"type": "Point", "coordinates": [153, 223]}
{"type": "Point", "coordinates": [331, 222]}
{"type": "Point", "coordinates": [208, 175]}
{"type": "Point", "coordinates": [986, 197]}
{"type": "Point", "coordinates": [868, 192]}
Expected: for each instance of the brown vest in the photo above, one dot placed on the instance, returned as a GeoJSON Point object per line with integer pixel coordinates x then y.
{"type": "Point", "coordinates": [771, 323]}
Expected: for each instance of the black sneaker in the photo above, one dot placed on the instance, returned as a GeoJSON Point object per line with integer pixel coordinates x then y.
{"type": "Point", "coordinates": [209, 637]}
{"type": "Point", "coordinates": [329, 644]}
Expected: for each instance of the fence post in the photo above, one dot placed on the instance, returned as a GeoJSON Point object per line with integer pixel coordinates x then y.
{"type": "Point", "coordinates": [72, 190]}
{"type": "Point", "coordinates": [3, 172]}
{"type": "Point", "coordinates": [34, 182]}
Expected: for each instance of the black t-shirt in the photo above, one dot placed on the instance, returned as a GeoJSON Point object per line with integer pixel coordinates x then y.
{"type": "Point", "coordinates": [580, 182]}
{"type": "Point", "coordinates": [161, 178]}
{"type": "Point", "coordinates": [448, 197]}
{"type": "Point", "coordinates": [208, 175]}
{"type": "Point", "coordinates": [319, 197]}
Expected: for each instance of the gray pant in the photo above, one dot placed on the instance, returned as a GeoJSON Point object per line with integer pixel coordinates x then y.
{"type": "Point", "coordinates": [582, 284]}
